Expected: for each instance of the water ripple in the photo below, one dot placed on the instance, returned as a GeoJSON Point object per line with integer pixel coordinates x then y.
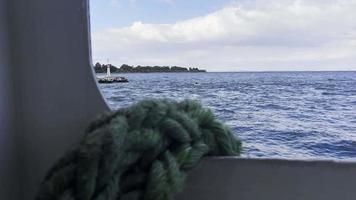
{"type": "Point", "coordinates": [277, 115]}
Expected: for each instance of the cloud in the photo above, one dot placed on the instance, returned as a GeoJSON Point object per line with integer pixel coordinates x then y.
{"type": "Point", "coordinates": [247, 35]}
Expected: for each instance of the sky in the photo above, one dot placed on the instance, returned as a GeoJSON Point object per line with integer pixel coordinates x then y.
{"type": "Point", "coordinates": [226, 35]}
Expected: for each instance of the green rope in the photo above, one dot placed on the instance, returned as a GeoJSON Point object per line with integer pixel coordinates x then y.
{"type": "Point", "coordinates": [140, 152]}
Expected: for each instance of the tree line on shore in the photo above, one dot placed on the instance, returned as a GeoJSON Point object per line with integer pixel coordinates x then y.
{"type": "Point", "coordinates": [101, 68]}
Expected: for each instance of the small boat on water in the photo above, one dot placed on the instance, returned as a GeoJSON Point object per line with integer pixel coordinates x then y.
{"type": "Point", "coordinates": [112, 79]}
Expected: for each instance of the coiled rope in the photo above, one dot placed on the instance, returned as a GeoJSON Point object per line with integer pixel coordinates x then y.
{"type": "Point", "coordinates": [139, 153]}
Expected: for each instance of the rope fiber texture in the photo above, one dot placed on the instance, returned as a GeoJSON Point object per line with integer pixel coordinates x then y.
{"type": "Point", "coordinates": [139, 153]}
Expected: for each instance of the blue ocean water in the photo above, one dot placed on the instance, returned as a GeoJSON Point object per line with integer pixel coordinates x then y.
{"type": "Point", "coordinates": [292, 115]}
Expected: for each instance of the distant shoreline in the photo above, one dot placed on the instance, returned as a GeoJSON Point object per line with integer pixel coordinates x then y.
{"type": "Point", "coordinates": [350, 71]}
{"type": "Point", "coordinates": [301, 71]}
{"type": "Point", "coordinates": [102, 68]}
{"type": "Point", "coordinates": [159, 72]}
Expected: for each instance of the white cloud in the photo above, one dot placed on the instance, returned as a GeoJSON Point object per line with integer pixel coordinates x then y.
{"type": "Point", "coordinates": [252, 35]}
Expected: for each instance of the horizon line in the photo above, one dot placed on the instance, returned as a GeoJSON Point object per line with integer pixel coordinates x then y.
{"type": "Point", "coordinates": [243, 71]}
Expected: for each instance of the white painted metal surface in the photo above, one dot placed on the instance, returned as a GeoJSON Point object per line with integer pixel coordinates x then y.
{"type": "Point", "coordinates": [253, 179]}
{"type": "Point", "coordinates": [9, 178]}
{"type": "Point", "coordinates": [55, 93]}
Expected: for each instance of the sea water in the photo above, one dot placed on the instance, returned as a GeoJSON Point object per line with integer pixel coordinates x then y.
{"type": "Point", "coordinates": [291, 115]}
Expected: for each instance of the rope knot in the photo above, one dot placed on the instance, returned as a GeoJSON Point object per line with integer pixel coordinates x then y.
{"type": "Point", "coordinates": [139, 153]}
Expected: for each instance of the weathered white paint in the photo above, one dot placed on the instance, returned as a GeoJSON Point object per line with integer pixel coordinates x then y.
{"type": "Point", "coordinates": [48, 95]}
